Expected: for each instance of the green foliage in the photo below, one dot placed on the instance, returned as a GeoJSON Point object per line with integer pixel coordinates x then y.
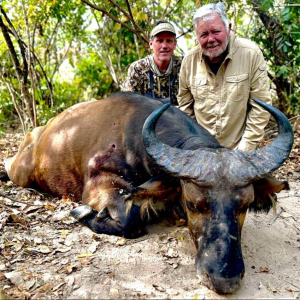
{"type": "Point", "coordinates": [92, 78]}
{"type": "Point", "coordinates": [274, 26]}
{"type": "Point", "coordinates": [7, 114]}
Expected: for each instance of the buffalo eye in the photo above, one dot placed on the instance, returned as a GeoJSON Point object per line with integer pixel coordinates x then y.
{"type": "Point", "coordinates": [196, 207]}
{"type": "Point", "coordinates": [191, 206]}
{"type": "Point", "coordinates": [244, 197]}
{"type": "Point", "coordinates": [193, 197]}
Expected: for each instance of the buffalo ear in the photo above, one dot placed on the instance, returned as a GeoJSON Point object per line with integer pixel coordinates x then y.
{"type": "Point", "coordinates": [264, 189]}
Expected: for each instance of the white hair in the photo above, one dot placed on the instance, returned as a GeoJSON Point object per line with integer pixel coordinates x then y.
{"type": "Point", "coordinates": [208, 9]}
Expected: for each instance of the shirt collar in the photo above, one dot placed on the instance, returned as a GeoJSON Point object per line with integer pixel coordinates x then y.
{"type": "Point", "coordinates": [232, 46]}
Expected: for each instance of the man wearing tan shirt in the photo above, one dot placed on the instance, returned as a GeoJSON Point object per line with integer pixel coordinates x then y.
{"type": "Point", "coordinates": [218, 79]}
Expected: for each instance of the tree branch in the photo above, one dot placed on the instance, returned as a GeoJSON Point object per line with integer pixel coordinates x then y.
{"type": "Point", "coordinates": [22, 49]}
{"type": "Point", "coordinates": [114, 19]}
{"type": "Point", "coordinates": [16, 105]}
{"type": "Point", "coordinates": [30, 65]}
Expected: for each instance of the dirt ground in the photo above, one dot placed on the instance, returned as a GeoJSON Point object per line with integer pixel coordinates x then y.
{"type": "Point", "coordinates": [45, 254]}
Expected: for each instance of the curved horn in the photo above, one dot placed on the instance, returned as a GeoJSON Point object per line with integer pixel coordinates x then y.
{"type": "Point", "coordinates": [160, 152]}
{"type": "Point", "coordinates": [194, 164]}
{"type": "Point", "coordinates": [203, 165]}
{"type": "Point", "coordinates": [271, 157]}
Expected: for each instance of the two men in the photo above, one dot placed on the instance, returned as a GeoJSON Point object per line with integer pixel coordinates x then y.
{"type": "Point", "coordinates": [217, 80]}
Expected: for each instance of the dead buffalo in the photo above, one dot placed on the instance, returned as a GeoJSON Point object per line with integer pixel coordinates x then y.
{"type": "Point", "coordinates": [100, 152]}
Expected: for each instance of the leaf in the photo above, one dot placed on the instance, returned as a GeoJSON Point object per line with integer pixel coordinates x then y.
{"type": "Point", "coordinates": [37, 240]}
{"type": "Point", "coordinates": [62, 249]}
{"type": "Point", "coordinates": [279, 40]}
{"type": "Point", "coordinates": [85, 255]}
{"type": "Point", "coordinates": [285, 215]}
{"type": "Point", "coordinates": [121, 242]}
{"type": "Point", "coordinates": [288, 43]}
{"type": "Point", "coordinates": [117, 26]}
{"type": "Point", "coordinates": [70, 281]}
{"type": "Point", "coordinates": [264, 270]}
{"type": "Point", "coordinates": [159, 288]}
{"type": "Point", "coordinates": [113, 291]}
{"type": "Point", "coordinates": [50, 207]}
{"type": "Point", "coordinates": [93, 248]}
{"type": "Point", "coordinates": [172, 253]}
{"type": "Point", "coordinates": [285, 49]}
{"type": "Point", "coordinates": [73, 267]}
{"type": "Point", "coordinates": [45, 249]}
{"type": "Point", "coordinates": [64, 232]}
{"type": "Point", "coordinates": [18, 246]}
{"type": "Point", "coordinates": [123, 18]}
{"type": "Point", "coordinates": [60, 215]}
{"type": "Point", "coordinates": [41, 249]}
{"type": "Point", "coordinates": [29, 284]}
{"type": "Point", "coordinates": [271, 288]}
{"type": "Point", "coordinates": [16, 219]}
{"type": "Point", "coordinates": [15, 277]}
{"type": "Point", "coordinates": [66, 200]}
{"type": "Point", "coordinates": [58, 286]}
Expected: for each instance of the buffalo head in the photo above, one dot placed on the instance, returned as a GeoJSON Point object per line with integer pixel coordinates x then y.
{"type": "Point", "coordinates": [218, 186]}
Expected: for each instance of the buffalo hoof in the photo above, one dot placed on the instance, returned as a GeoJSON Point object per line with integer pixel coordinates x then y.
{"type": "Point", "coordinates": [4, 176]}
{"type": "Point", "coordinates": [81, 212]}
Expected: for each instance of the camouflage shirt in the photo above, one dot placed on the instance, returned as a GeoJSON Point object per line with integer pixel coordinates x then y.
{"type": "Point", "coordinates": [138, 80]}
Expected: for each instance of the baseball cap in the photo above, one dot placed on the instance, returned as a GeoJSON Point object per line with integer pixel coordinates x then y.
{"type": "Point", "coordinates": [161, 28]}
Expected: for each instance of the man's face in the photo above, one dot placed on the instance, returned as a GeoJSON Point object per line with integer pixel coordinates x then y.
{"type": "Point", "coordinates": [163, 46]}
{"type": "Point", "coordinates": [212, 36]}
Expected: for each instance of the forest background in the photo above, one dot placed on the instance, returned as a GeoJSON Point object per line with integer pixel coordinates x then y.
{"type": "Point", "coordinates": [55, 53]}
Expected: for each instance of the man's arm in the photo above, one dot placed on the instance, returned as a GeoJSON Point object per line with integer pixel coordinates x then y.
{"type": "Point", "coordinates": [257, 117]}
{"type": "Point", "coordinates": [132, 82]}
{"type": "Point", "coordinates": [185, 98]}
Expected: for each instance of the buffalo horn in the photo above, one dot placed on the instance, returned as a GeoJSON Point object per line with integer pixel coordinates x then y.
{"type": "Point", "coordinates": [272, 156]}
{"type": "Point", "coordinates": [173, 160]}
{"type": "Point", "coordinates": [197, 164]}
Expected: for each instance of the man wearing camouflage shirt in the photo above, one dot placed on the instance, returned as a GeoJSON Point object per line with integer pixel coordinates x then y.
{"type": "Point", "coordinates": [157, 74]}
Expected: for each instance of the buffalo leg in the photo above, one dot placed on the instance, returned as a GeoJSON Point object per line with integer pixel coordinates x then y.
{"type": "Point", "coordinates": [113, 207]}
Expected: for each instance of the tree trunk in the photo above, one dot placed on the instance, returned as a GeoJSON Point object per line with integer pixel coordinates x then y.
{"type": "Point", "coordinates": [22, 78]}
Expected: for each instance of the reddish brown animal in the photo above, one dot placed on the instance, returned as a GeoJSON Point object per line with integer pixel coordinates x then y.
{"type": "Point", "coordinates": [96, 152]}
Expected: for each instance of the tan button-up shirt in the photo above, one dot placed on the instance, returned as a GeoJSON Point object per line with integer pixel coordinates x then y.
{"type": "Point", "coordinates": [222, 103]}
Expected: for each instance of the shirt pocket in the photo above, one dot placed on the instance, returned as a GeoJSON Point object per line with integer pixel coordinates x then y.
{"type": "Point", "coordinates": [199, 89]}
{"type": "Point", "coordinates": [237, 87]}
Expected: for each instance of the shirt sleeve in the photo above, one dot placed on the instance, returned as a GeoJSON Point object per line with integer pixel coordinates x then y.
{"type": "Point", "coordinates": [132, 82]}
{"type": "Point", "coordinates": [257, 117]}
{"type": "Point", "coordinates": [185, 98]}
